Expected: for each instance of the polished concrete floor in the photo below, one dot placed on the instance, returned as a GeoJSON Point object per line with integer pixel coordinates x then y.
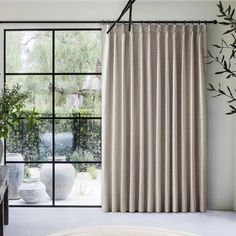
{"type": "Point", "coordinates": [42, 221]}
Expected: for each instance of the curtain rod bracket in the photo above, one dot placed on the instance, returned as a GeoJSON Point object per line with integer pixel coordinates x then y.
{"type": "Point", "coordinates": [126, 8]}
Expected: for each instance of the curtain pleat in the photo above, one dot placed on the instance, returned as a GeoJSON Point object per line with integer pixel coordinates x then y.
{"type": "Point", "coordinates": [183, 124]}
{"type": "Point", "coordinates": [158, 132]}
{"type": "Point", "coordinates": [153, 128]}
{"type": "Point", "coordinates": [175, 184]}
{"type": "Point", "coordinates": [201, 47]}
{"type": "Point", "coordinates": [133, 135]}
{"type": "Point", "coordinates": [124, 123]}
{"type": "Point", "coordinates": [192, 126]}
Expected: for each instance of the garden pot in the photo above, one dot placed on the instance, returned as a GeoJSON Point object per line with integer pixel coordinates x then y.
{"type": "Point", "coordinates": [16, 174]}
{"type": "Point", "coordinates": [32, 190]}
{"type": "Point", "coordinates": [64, 178]}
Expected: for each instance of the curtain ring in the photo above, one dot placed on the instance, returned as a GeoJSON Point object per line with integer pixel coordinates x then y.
{"type": "Point", "coordinates": [149, 26]}
{"type": "Point", "coordinates": [141, 26]}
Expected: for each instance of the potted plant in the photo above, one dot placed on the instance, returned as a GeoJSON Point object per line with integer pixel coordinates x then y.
{"type": "Point", "coordinates": [12, 110]}
{"type": "Point", "coordinates": [83, 171]}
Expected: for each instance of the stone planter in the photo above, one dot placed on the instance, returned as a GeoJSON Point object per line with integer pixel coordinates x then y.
{"type": "Point", "coordinates": [64, 178]}
{"type": "Point", "coordinates": [32, 190]}
{"type": "Point", "coordinates": [16, 174]}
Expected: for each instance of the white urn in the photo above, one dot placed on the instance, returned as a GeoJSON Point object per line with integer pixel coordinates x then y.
{"type": "Point", "coordinates": [16, 174]}
{"type": "Point", "coordinates": [32, 190]}
{"type": "Point", "coordinates": [64, 178]}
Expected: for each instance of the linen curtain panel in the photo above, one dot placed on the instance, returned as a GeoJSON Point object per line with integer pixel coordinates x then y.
{"type": "Point", "coordinates": [153, 129]}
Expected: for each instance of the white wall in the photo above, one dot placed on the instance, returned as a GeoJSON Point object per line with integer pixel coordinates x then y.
{"type": "Point", "coordinates": [221, 150]}
{"type": "Point", "coordinates": [107, 10]}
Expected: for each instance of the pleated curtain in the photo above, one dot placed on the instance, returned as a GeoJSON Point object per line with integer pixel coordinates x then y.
{"type": "Point", "coordinates": [153, 128]}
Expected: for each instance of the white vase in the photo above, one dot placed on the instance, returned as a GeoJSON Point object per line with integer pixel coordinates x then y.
{"type": "Point", "coordinates": [32, 190]}
{"type": "Point", "coordinates": [16, 174]}
{"type": "Point", "coordinates": [64, 178]}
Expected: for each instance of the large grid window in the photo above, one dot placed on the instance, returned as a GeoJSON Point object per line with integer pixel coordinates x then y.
{"type": "Point", "coordinates": [60, 69]}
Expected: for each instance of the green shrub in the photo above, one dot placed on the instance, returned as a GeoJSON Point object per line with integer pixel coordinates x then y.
{"type": "Point", "coordinates": [27, 173]}
{"type": "Point", "coordinates": [93, 172]}
{"type": "Point", "coordinates": [83, 156]}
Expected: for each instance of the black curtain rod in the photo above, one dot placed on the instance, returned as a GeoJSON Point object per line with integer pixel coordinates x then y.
{"type": "Point", "coordinates": [107, 22]}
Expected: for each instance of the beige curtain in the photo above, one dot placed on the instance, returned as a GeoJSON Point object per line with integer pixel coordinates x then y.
{"type": "Point", "coordinates": [153, 130]}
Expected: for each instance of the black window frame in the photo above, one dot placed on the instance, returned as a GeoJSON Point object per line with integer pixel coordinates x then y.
{"type": "Point", "coordinates": [53, 117]}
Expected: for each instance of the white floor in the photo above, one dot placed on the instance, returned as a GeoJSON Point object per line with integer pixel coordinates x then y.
{"type": "Point", "coordinates": [42, 221]}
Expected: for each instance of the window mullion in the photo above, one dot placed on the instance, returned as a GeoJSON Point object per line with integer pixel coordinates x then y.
{"type": "Point", "coordinates": [53, 117]}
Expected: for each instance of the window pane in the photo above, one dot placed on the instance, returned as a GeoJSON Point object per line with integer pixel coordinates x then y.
{"type": "Point", "coordinates": [78, 94]}
{"type": "Point", "coordinates": [78, 184]}
{"type": "Point", "coordinates": [35, 144]}
{"type": "Point", "coordinates": [78, 51]}
{"type": "Point", "coordinates": [28, 51]}
{"type": "Point", "coordinates": [31, 189]}
{"type": "Point", "coordinates": [90, 137]}
{"type": "Point", "coordinates": [64, 139]}
{"type": "Point", "coordinates": [39, 90]}
{"type": "Point", "coordinates": [78, 140]}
